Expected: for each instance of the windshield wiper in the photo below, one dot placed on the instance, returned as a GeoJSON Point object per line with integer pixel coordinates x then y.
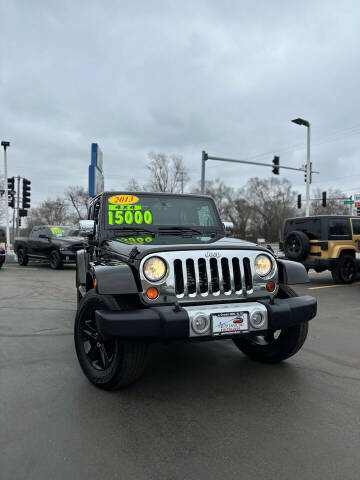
{"type": "Point", "coordinates": [127, 231]}
{"type": "Point", "coordinates": [179, 231]}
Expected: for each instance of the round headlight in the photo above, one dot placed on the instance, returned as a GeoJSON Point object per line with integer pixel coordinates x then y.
{"type": "Point", "coordinates": [263, 265]}
{"type": "Point", "coordinates": [154, 269]}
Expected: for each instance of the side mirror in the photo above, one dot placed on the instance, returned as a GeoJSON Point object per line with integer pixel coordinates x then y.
{"type": "Point", "coordinates": [86, 228]}
{"type": "Point", "coordinates": [229, 227]}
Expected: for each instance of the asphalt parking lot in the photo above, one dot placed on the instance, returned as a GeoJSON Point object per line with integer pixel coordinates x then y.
{"type": "Point", "coordinates": [201, 410]}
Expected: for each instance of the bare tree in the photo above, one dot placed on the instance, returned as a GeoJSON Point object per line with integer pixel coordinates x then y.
{"type": "Point", "coordinates": [78, 198]}
{"type": "Point", "coordinates": [333, 207]}
{"type": "Point", "coordinates": [271, 201]}
{"type": "Point", "coordinates": [221, 194]}
{"type": "Point", "coordinates": [134, 186]}
{"type": "Point", "coordinates": [239, 212]}
{"type": "Point", "coordinates": [167, 173]}
{"type": "Point", "coordinates": [50, 212]}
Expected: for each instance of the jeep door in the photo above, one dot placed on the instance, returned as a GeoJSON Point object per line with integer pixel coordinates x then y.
{"type": "Point", "coordinates": [355, 225]}
{"type": "Point", "coordinates": [33, 242]}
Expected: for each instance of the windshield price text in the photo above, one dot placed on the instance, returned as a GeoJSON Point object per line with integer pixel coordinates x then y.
{"type": "Point", "coordinates": [128, 214]}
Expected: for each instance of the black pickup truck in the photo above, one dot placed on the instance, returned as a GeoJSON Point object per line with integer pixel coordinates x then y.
{"type": "Point", "coordinates": [57, 244]}
{"type": "Point", "coordinates": [159, 267]}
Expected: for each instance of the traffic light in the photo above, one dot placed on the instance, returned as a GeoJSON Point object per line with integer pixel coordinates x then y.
{"type": "Point", "coordinates": [324, 199]}
{"type": "Point", "coordinates": [299, 201]}
{"type": "Point", "coordinates": [11, 192]}
{"type": "Point", "coordinates": [276, 161]}
{"type": "Point", "coordinates": [26, 193]}
{"type": "Point", "coordinates": [11, 199]}
{"type": "Point", "coordinates": [11, 184]}
{"type": "Point", "coordinates": [19, 221]}
{"type": "Point", "coordinates": [305, 173]}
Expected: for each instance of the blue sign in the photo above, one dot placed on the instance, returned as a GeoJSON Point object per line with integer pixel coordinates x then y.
{"type": "Point", "coordinates": [96, 174]}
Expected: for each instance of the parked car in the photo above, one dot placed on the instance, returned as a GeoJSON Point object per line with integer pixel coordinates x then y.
{"type": "Point", "coordinates": [158, 267]}
{"type": "Point", "coordinates": [328, 242]}
{"type": "Point", "coordinates": [2, 256]}
{"type": "Point", "coordinates": [55, 244]}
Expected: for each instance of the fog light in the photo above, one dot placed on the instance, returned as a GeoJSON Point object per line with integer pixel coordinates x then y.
{"type": "Point", "coordinates": [257, 319]}
{"type": "Point", "coordinates": [152, 293]}
{"type": "Point", "coordinates": [200, 323]}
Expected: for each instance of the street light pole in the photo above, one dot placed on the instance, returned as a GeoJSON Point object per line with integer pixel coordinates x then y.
{"type": "Point", "coordinates": [308, 172]}
{"type": "Point", "coordinates": [5, 145]}
{"type": "Point", "coordinates": [305, 123]}
{"type": "Point", "coordinates": [203, 160]}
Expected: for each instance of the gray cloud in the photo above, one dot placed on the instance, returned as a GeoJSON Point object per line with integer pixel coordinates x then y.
{"type": "Point", "coordinates": [179, 77]}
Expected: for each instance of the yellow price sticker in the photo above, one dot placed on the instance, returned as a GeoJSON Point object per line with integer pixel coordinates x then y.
{"type": "Point", "coordinates": [123, 199]}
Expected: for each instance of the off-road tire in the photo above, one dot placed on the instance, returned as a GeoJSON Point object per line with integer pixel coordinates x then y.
{"type": "Point", "coordinates": [128, 358]}
{"type": "Point", "coordinates": [296, 245]}
{"type": "Point", "coordinates": [345, 270]}
{"type": "Point", "coordinates": [55, 260]}
{"type": "Point", "coordinates": [284, 346]}
{"type": "Point", "coordinates": [23, 259]}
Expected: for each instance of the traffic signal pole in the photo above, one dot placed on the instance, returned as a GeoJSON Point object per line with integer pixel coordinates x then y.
{"type": "Point", "coordinates": [206, 157]}
{"type": "Point", "coordinates": [7, 226]}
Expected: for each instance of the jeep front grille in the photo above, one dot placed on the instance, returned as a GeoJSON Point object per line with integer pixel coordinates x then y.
{"type": "Point", "coordinates": [212, 276]}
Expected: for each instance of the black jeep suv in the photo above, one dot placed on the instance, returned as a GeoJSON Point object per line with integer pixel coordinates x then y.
{"type": "Point", "coordinates": [158, 267]}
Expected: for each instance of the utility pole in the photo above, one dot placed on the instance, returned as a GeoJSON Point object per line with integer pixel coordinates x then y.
{"type": "Point", "coordinates": [18, 206]}
{"type": "Point", "coordinates": [5, 144]}
{"type": "Point", "coordinates": [305, 123]}
{"type": "Point", "coordinates": [308, 170]}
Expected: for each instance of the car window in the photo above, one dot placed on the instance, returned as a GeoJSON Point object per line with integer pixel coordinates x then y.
{"type": "Point", "coordinates": [310, 226]}
{"type": "Point", "coordinates": [356, 227]}
{"type": "Point", "coordinates": [35, 233]}
{"type": "Point", "coordinates": [339, 227]}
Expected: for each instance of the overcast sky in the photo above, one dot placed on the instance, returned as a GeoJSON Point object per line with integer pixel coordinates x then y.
{"type": "Point", "coordinates": [179, 77]}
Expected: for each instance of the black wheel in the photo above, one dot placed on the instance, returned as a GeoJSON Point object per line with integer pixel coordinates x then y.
{"type": "Point", "coordinates": [296, 245]}
{"type": "Point", "coordinates": [23, 259]}
{"type": "Point", "coordinates": [55, 259]}
{"type": "Point", "coordinates": [111, 364]}
{"type": "Point", "coordinates": [345, 270]}
{"type": "Point", "coordinates": [275, 346]}
{"type": "Point", "coordinates": [1, 264]}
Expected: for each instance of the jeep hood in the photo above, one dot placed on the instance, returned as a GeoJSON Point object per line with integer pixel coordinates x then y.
{"type": "Point", "coordinates": [140, 246]}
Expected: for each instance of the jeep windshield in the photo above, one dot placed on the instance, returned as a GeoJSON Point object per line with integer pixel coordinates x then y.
{"type": "Point", "coordinates": [170, 214]}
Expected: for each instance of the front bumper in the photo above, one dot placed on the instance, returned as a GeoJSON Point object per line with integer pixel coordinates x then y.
{"type": "Point", "coordinates": [171, 323]}
{"type": "Point", "coordinates": [68, 256]}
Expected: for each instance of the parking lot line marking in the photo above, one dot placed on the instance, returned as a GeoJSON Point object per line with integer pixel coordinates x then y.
{"type": "Point", "coordinates": [332, 286]}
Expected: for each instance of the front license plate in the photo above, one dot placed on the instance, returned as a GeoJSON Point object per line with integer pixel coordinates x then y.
{"type": "Point", "coordinates": [230, 323]}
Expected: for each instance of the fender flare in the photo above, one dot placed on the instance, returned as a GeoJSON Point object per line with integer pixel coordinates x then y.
{"type": "Point", "coordinates": [81, 267]}
{"type": "Point", "coordinates": [292, 273]}
{"type": "Point", "coordinates": [115, 279]}
{"type": "Point", "coordinates": [339, 249]}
